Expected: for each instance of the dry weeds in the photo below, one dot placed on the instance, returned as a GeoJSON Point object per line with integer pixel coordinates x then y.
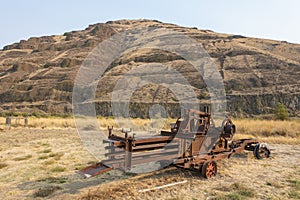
{"type": "Point", "coordinates": [38, 160]}
{"type": "Point", "coordinates": [241, 177]}
{"type": "Point", "coordinates": [272, 131]}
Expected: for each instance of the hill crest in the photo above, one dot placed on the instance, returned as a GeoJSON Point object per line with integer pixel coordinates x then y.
{"type": "Point", "coordinates": [37, 74]}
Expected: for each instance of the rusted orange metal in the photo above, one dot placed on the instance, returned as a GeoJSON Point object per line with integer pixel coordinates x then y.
{"type": "Point", "coordinates": [94, 170]}
{"type": "Point", "coordinates": [181, 145]}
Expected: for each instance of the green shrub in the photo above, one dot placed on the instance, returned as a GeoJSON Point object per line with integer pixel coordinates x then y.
{"type": "Point", "coordinates": [22, 158]}
{"type": "Point", "coordinates": [45, 151]}
{"type": "Point", "coordinates": [43, 157]}
{"type": "Point", "coordinates": [49, 162]}
{"type": "Point", "coordinates": [58, 169]}
{"type": "Point", "coordinates": [295, 183]}
{"type": "Point", "coordinates": [281, 112]}
{"type": "Point", "coordinates": [294, 194]}
{"type": "Point", "coordinates": [56, 156]}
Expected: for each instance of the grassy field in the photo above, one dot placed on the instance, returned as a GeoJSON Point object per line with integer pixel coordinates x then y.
{"type": "Point", "coordinates": [40, 161]}
{"type": "Point", "coordinates": [273, 131]}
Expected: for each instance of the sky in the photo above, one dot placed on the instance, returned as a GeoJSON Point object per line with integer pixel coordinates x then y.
{"type": "Point", "coordinates": [271, 19]}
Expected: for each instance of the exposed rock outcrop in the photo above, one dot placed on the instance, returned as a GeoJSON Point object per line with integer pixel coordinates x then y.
{"type": "Point", "coordinates": [38, 74]}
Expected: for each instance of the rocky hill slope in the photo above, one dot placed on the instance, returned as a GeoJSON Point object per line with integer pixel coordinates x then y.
{"type": "Point", "coordinates": [37, 75]}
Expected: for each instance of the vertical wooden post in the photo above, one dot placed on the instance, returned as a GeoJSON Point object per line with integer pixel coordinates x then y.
{"type": "Point", "coordinates": [128, 154]}
{"type": "Point", "coordinates": [26, 122]}
{"type": "Point", "coordinates": [8, 122]}
{"type": "Point", "coordinates": [110, 131]}
{"type": "Point", "coordinates": [111, 144]}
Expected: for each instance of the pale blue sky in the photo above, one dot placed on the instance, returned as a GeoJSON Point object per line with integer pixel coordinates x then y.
{"type": "Point", "coordinates": [274, 19]}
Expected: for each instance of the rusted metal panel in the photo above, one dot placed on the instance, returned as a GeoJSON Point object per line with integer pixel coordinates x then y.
{"type": "Point", "coordinates": [154, 139]}
{"type": "Point", "coordinates": [94, 170]}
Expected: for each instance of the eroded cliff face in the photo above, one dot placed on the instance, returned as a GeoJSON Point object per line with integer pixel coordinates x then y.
{"type": "Point", "coordinates": [38, 74]}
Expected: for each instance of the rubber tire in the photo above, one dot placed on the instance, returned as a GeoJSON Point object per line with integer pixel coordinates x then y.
{"type": "Point", "coordinates": [256, 150]}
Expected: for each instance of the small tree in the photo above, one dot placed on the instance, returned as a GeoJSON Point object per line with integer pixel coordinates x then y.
{"type": "Point", "coordinates": [281, 112]}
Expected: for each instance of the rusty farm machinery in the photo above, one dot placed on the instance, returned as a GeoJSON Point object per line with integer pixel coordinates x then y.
{"type": "Point", "coordinates": [192, 143]}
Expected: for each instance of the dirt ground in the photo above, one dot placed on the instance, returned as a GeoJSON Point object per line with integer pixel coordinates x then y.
{"type": "Point", "coordinates": [41, 163]}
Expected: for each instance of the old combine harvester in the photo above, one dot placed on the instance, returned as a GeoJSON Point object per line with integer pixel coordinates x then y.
{"type": "Point", "coordinates": [185, 145]}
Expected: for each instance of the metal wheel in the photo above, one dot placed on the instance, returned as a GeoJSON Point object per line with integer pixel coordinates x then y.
{"type": "Point", "coordinates": [209, 169]}
{"type": "Point", "coordinates": [228, 129]}
{"type": "Point", "coordinates": [261, 151]}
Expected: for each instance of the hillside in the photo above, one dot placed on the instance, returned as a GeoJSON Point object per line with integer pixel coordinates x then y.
{"type": "Point", "coordinates": [37, 75]}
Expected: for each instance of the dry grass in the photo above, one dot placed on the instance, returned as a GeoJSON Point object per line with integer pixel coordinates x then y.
{"type": "Point", "coordinates": [239, 178]}
{"type": "Point", "coordinates": [266, 128]}
{"type": "Point", "coordinates": [272, 131]}
{"type": "Point", "coordinates": [44, 123]}
{"type": "Point", "coordinates": [28, 156]}
{"type": "Point", "coordinates": [129, 188]}
{"type": "Point", "coordinates": [46, 191]}
{"type": "Point", "coordinates": [271, 139]}
{"type": "Point", "coordinates": [62, 123]}
{"type": "Point", "coordinates": [3, 165]}
{"type": "Point", "coordinates": [236, 191]}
